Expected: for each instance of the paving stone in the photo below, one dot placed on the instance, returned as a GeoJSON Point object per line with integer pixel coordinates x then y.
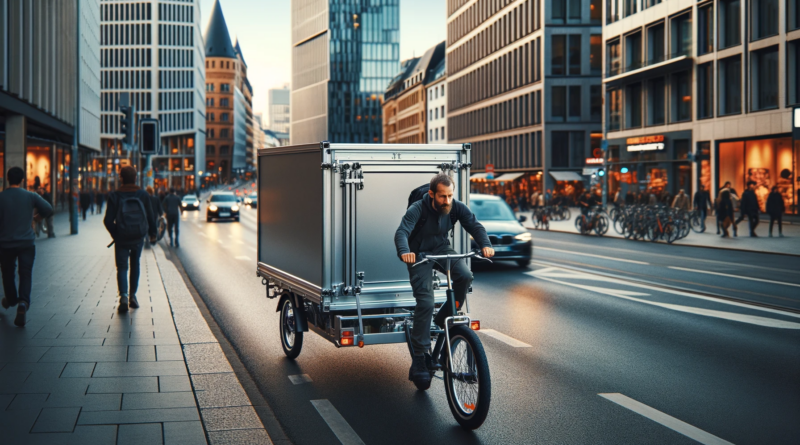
{"type": "Point", "coordinates": [78, 370]}
{"type": "Point", "coordinates": [141, 353]}
{"type": "Point", "coordinates": [232, 437]}
{"type": "Point", "coordinates": [28, 401]}
{"type": "Point", "coordinates": [174, 383]}
{"type": "Point", "coordinates": [159, 400]}
{"type": "Point", "coordinates": [54, 385]}
{"type": "Point", "coordinates": [87, 402]}
{"type": "Point", "coordinates": [56, 420]}
{"type": "Point", "coordinates": [184, 433]}
{"type": "Point", "coordinates": [29, 354]}
{"type": "Point", "coordinates": [169, 352]}
{"type": "Point", "coordinates": [242, 417]}
{"type": "Point", "coordinates": [143, 369]}
{"type": "Point", "coordinates": [141, 434]}
{"type": "Point", "coordinates": [206, 358]}
{"type": "Point", "coordinates": [82, 435]}
{"type": "Point", "coordinates": [142, 341]}
{"type": "Point", "coordinates": [15, 425]}
{"type": "Point", "coordinates": [219, 390]}
{"type": "Point", "coordinates": [5, 400]}
{"type": "Point", "coordinates": [119, 385]}
{"type": "Point", "coordinates": [138, 416]}
{"type": "Point", "coordinates": [65, 342]}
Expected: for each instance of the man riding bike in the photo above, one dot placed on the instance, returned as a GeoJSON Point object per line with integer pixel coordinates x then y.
{"type": "Point", "coordinates": [432, 214]}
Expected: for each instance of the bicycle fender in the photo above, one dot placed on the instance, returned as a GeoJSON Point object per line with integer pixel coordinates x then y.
{"type": "Point", "coordinates": [302, 319]}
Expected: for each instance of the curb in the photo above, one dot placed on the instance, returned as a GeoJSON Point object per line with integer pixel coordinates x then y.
{"type": "Point", "coordinates": [226, 411]}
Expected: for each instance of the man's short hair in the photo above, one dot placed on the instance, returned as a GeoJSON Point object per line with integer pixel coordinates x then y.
{"type": "Point", "coordinates": [749, 183]}
{"type": "Point", "coordinates": [172, 190]}
{"type": "Point", "coordinates": [128, 175]}
{"type": "Point", "coordinates": [440, 179]}
{"type": "Point", "coordinates": [15, 175]}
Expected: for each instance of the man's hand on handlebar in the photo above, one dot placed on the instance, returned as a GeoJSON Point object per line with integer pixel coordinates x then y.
{"type": "Point", "coordinates": [409, 258]}
{"type": "Point", "coordinates": [487, 252]}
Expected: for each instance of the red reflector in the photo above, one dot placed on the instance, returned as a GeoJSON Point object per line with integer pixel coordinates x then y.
{"type": "Point", "coordinates": [347, 333]}
{"type": "Point", "coordinates": [457, 305]}
{"type": "Point", "coordinates": [361, 344]}
{"type": "Point", "coordinates": [347, 341]}
{"type": "Point", "coordinates": [475, 325]}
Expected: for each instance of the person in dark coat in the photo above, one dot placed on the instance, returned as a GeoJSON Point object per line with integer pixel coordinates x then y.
{"type": "Point", "coordinates": [702, 202]}
{"type": "Point", "coordinates": [158, 211]}
{"type": "Point", "coordinates": [725, 212]}
{"type": "Point", "coordinates": [750, 209]}
{"type": "Point", "coordinates": [172, 207]}
{"type": "Point", "coordinates": [99, 200]}
{"type": "Point", "coordinates": [775, 209]}
{"type": "Point", "coordinates": [86, 201]}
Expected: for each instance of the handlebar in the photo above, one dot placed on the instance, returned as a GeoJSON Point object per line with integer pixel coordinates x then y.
{"type": "Point", "coordinates": [425, 258]}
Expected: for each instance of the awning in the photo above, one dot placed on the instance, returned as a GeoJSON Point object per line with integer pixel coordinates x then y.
{"type": "Point", "coordinates": [476, 176]}
{"type": "Point", "coordinates": [508, 176]}
{"type": "Point", "coordinates": [566, 176]}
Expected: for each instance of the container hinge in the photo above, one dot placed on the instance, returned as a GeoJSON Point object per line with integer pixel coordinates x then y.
{"type": "Point", "coordinates": [326, 300]}
{"type": "Point", "coordinates": [360, 278]}
{"type": "Point", "coordinates": [326, 166]}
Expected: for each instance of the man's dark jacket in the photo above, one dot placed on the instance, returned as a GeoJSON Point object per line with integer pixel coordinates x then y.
{"type": "Point", "coordinates": [749, 203]}
{"type": "Point", "coordinates": [114, 199]}
{"type": "Point", "coordinates": [172, 205]}
{"type": "Point", "coordinates": [702, 200]}
{"type": "Point", "coordinates": [16, 216]}
{"type": "Point", "coordinates": [437, 228]}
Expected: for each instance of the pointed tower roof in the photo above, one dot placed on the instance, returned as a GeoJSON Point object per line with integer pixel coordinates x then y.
{"type": "Point", "coordinates": [218, 40]}
{"type": "Point", "coordinates": [238, 50]}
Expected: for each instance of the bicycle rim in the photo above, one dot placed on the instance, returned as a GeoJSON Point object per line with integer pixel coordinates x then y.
{"type": "Point", "coordinates": [468, 386]}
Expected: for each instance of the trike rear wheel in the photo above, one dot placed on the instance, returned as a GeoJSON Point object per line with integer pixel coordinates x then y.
{"type": "Point", "coordinates": [291, 339]}
{"type": "Point", "coordinates": [468, 385]}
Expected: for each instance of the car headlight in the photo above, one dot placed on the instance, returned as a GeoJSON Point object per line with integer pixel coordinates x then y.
{"type": "Point", "coordinates": [213, 208]}
{"type": "Point", "coordinates": [183, 204]}
{"type": "Point", "coordinates": [524, 237]}
{"type": "Point", "coordinates": [234, 208]}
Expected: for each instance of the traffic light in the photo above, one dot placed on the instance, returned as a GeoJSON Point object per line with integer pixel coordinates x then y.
{"type": "Point", "coordinates": [601, 172]}
{"type": "Point", "coordinates": [126, 124]}
{"type": "Point", "coordinates": [148, 136]}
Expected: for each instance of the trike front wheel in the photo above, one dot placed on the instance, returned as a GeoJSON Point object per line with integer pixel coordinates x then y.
{"type": "Point", "coordinates": [291, 338]}
{"type": "Point", "coordinates": [468, 385]}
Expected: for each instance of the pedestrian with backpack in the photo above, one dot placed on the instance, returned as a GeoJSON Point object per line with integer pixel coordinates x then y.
{"type": "Point", "coordinates": [129, 218]}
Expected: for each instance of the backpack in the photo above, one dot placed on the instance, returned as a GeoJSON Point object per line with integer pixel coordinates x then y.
{"type": "Point", "coordinates": [131, 220]}
{"type": "Point", "coordinates": [416, 195]}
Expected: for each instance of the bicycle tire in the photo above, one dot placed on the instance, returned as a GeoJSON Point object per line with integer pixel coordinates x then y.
{"type": "Point", "coordinates": [287, 329]}
{"type": "Point", "coordinates": [469, 406]}
{"type": "Point", "coordinates": [567, 213]}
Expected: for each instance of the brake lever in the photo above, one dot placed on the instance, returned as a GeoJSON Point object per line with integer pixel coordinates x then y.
{"type": "Point", "coordinates": [420, 262]}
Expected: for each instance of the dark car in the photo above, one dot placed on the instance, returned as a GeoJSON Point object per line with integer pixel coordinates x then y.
{"type": "Point", "coordinates": [251, 200]}
{"type": "Point", "coordinates": [510, 240]}
{"type": "Point", "coordinates": [222, 205]}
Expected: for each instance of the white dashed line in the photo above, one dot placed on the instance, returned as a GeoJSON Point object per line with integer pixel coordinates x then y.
{"type": "Point", "coordinates": [511, 341]}
{"type": "Point", "coordinates": [252, 248]}
{"type": "Point", "coordinates": [299, 379]}
{"type": "Point", "coordinates": [202, 234]}
{"type": "Point", "coordinates": [734, 276]}
{"type": "Point", "coordinates": [243, 258]}
{"type": "Point", "coordinates": [343, 431]}
{"type": "Point", "coordinates": [591, 255]}
{"type": "Point", "coordinates": [668, 421]}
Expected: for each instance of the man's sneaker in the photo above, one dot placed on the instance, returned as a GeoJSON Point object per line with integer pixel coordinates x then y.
{"type": "Point", "coordinates": [133, 303]}
{"type": "Point", "coordinates": [177, 244]}
{"type": "Point", "coordinates": [5, 304]}
{"type": "Point", "coordinates": [21, 310]}
{"type": "Point", "coordinates": [123, 303]}
{"type": "Point", "coordinates": [418, 373]}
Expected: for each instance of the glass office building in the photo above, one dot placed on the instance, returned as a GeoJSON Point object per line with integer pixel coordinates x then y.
{"type": "Point", "coordinates": [344, 54]}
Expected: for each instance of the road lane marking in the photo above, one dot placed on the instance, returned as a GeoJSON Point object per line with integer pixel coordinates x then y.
{"type": "Point", "coordinates": [252, 248]}
{"type": "Point", "coordinates": [243, 258]}
{"type": "Point", "coordinates": [299, 379]}
{"type": "Point", "coordinates": [202, 234]}
{"type": "Point", "coordinates": [337, 424]}
{"type": "Point", "coordinates": [626, 295]}
{"type": "Point", "coordinates": [734, 276]}
{"type": "Point", "coordinates": [511, 341]}
{"type": "Point", "coordinates": [668, 421]}
{"type": "Point", "coordinates": [591, 255]}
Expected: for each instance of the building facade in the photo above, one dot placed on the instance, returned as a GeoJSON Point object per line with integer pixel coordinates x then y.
{"type": "Point", "coordinates": [39, 62]}
{"type": "Point", "coordinates": [229, 105]}
{"type": "Point", "coordinates": [153, 50]}
{"type": "Point", "coordinates": [343, 57]}
{"type": "Point", "coordinates": [701, 93]}
{"type": "Point", "coordinates": [523, 84]}
{"type": "Point", "coordinates": [405, 102]}
{"type": "Point", "coordinates": [437, 104]}
{"type": "Point", "coordinates": [279, 116]}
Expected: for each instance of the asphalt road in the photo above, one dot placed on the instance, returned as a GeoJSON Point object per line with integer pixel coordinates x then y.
{"type": "Point", "coordinates": [611, 331]}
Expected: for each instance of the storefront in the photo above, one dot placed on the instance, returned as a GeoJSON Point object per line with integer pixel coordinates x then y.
{"type": "Point", "coordinates": [655, 164]}
{"type": "Point", "coordinates": [770, 161]}
{"type": "Point", "coordinates": [513, 186]}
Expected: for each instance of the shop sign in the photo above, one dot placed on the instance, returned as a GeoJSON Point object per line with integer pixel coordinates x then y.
{"type": "Point", "coordinates": [594, 161]}
{"type": "Point", "coordinates": [646, 143]}
{"type": "Point", "coordinates": [625, 177]}
{"type": "Point", "coordinates": [489, 171]}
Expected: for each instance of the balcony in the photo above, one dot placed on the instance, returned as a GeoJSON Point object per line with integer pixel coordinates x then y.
{"type": "Point", "coordinates": [639, 70]}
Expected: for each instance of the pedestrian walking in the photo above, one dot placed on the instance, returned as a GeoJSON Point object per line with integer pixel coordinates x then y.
{"type": "Point", "coordinates": [17, 241]}
{"type": "Point", "coordinates": [129, 218]}
{"type": "Point", "coordinates": [725, 187]}
{"type": "Point", "coordinates": [47, 223]}
{"type": "Point", "coordinates": [702, 202]}
{"type": "Point", "coordinates": [681, 201]}
{"type": "Point", "coordinates": [85, 200]}
{"type": "Point", "coordinates": [750, 209]}
{"type": "Point", "coordinates": [725, 212]}
{"type": "Point", "coordinates": [99, 200]}
{"type": "Point", "coordinates": [92, 199]}
{"type": "Point", "coordinates": [172, 207]}
{"type": "Point", "coordinates": [535, 199]}
{"type": "Point", "coordinates": [158, 212]}
{"type": "Point", "coordinates": [775, 209]}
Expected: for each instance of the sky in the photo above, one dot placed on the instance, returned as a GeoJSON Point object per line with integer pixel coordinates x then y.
{"type": "Point", "coordinates": [264, 26]}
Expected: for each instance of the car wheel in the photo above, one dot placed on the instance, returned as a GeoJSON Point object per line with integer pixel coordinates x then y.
{"type": "Point", "coordinates": [523, 263]}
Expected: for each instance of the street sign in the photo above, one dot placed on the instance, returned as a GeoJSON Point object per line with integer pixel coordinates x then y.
{"type": "Point", "coordinates": [597, 153]}
{"type": "Point", "coordinates": [489, 171]}
{"type": "Point", "coordinates": [594, 161]}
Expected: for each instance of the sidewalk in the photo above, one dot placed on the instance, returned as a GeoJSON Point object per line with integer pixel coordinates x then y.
{"type": "Point", "coordinates": [790, 244]}
{"type": "Point", "coordinates": [80, 373]}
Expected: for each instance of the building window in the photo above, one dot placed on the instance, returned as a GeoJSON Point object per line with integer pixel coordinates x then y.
{"type": "Point", "coordinates": [442, 90]}
{"type": "Point", "coordinates": [793, 73]}
{"type": "Point", "coordinates": [633, 51]}
{"type": "Point", "coordinates": [559, 104]}
{"type": "Point", "coordinates": [575, 101]}
{"type": "Point", "coordinates": [224, 133]}
{"type": "Point", "coordinates": [596, 54]}
{"type": "Point", "coordinates": [633, 105]}
{"type": "Point", "coordinates": [431, 135]}
{"type": "Point", "coordinates": [225, 87]}
{"type": "Point", "coordinates": [793, 14]}
{"type": "Point", "coordinates": [705, 90]}
{"type": "Point", "coordinates": [730, 85]}
{"type": "Point", "coordinates": [559, 10]}
{"type": "Point", "coordinates": [764, 14]}
{"type": "Point", "coordinates": [681, 35]}
{"type": "Point", "coordinates": [705, 30]}
{"type": "Point", "coordinates": [655, 44]}
{"type": "Point", "coordinates": [224, 117]}
{"type": "Point", "coordinates": [211, 133]}
{"type": "Point", "coordinates": [209, 87]}
{"type": "Point", "coordinates": [656, 102]}
{"type": "Point", "coordinates": [681, 104]}
{"type": "Point", "coordinates": [614, 109]}
{"type": "Point", "coordinates": [596, 99]}
{"type": "Point", "coordinates": [596, 12]}
{"type": "Point", "coordinates": [224, 102]}
{"type": "Point", "coordinates": [210, 150]}
{"type": "Point", "coordinates": [224, 150]}
{"type": "Point", "coordinates": [557, 68]}
{"type": "Point", "coordinates": [575, 9]}
{"type": "Point", "coordinates": [436, 113]}
{"type": "Point", "coordinates": [764, 74]}
{"type": "Point", "coordinates": [211, 117]}
{"type": "Point", "coordinates": [575, 55]}
{"type": "Point", "coordinates": [442, 111]}
{"type": "Point", "coordinates": [629, 7]}
{"type": "Point", "coordinates": [730, 22]}
{"type": "Point", "coordinates": [614, 58]}
{"type": "Point", "coordinates": [559, 147]}
{"type": "Point", "coordinates": [210, 102]}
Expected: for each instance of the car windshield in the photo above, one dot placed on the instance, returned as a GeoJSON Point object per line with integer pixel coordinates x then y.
{"type": "Point", "coordinates": [491, 210]}
{"type": "Point", "coordinates": [190, 198]}
{"type": "Point", "coordinates": [223, 198]}
{"type": "Point", "coordinates": [253, 196]}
